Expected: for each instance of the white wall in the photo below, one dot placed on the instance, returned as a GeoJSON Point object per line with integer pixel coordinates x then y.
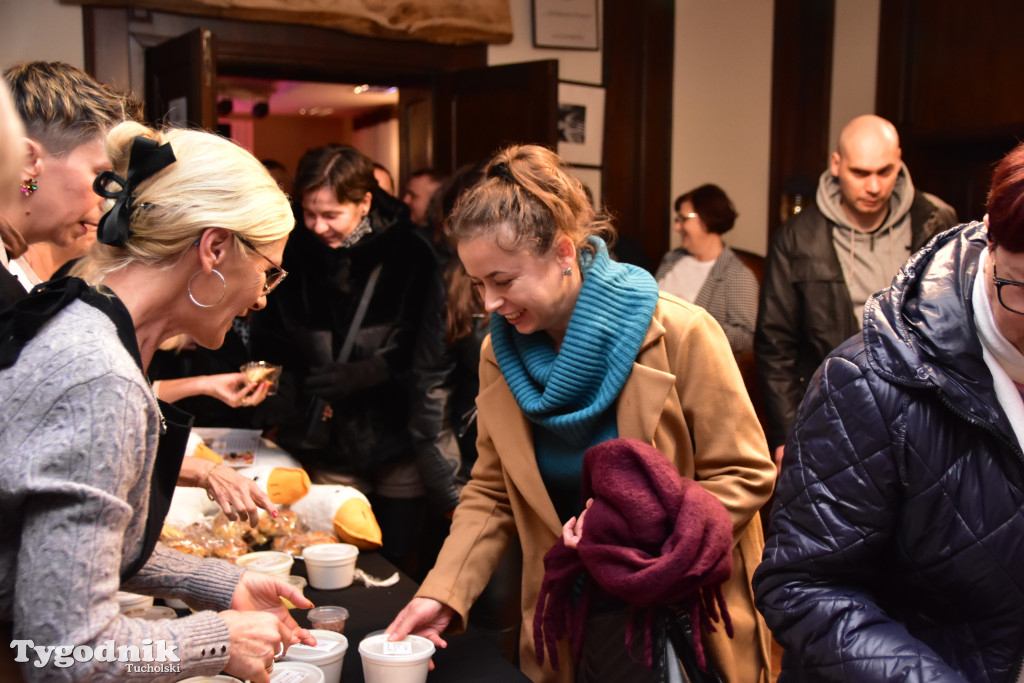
{"type": "Point", "coordinates": [854, 63]}
{"type": "Point", "coordinates": [573, 65]}
{"type": "Point", "coordinates": [41, 29]}
{"type": "Point", "coordinates": [721, 103]}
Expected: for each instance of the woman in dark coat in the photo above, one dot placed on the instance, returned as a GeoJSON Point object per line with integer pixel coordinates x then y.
{"type": "Point", "coordinates": [358, 241]}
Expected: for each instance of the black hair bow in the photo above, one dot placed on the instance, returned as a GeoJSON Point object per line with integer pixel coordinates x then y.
{"type": "Point", "coordinates": [147, 157]}
{"type": "Point", "coordinates": [500, 170]}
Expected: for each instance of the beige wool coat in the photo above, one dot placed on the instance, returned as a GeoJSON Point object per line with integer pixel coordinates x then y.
{"type": "Point", "coordinates": [685, 397]}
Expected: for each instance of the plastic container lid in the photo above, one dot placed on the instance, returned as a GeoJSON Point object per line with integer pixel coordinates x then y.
{"type": "Point", "coordinates": [296, 672]}
{"type": "Point", "coordinates": [328, 644]}
{"type": "Point", "coordinates": [330, 554]}
{"type": "Point", "coordinates": [130, 601]}
{"type": "Point", "coordinates": [267, 561]}
{"type": "Point", "coordinates": [219, 678]}
{"type": "Point", "coordinates": [152, 613]}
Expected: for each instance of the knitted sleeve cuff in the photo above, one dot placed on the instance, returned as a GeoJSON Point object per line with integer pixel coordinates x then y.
{"type": "Point", "coordinates": [204, 644]}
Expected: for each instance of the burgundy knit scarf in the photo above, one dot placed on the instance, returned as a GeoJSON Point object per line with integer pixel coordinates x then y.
{"type": "Point", "coordinates": [651, 538]}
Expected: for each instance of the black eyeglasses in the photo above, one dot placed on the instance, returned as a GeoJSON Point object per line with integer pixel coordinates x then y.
{"type": "Point", "coordinates": [274, 276]}
{"type": "Point", "coordinates": [1012, 299]}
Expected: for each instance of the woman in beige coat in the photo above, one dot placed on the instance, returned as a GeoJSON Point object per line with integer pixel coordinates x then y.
{"type": "Point", "coordinates": [584, 349]}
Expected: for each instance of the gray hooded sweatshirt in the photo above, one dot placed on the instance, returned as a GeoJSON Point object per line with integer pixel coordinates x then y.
{"type": "Point", "coordinates": [869, 260]}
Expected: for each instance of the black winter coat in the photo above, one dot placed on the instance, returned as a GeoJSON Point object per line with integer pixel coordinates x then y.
{"type": "Point", "coordinates": [805, 309]}
{"type": "Point", "coordinates": [896, 544]}
{"type": "Point", "coordinates": [321, 294]}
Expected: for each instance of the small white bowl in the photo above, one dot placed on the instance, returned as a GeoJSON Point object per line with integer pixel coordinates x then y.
{"type": "Point", "coordinates": [330, 566]}
{"type": "Point", "coordinates": [268, 562]}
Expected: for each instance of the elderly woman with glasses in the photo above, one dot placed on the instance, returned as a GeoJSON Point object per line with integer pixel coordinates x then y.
{"type": "Point", "coordinates": [90, 457]}
{"type": "Point", "coordinates": [705, 271]}
{"type": "Point", "coordinates": [894, 550]}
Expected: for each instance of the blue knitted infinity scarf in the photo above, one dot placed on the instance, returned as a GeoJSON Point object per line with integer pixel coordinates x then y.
{"type": "Point", "coordinates": [568, 394]}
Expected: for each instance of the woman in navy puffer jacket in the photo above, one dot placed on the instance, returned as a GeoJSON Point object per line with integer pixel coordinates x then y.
{"type": "Point", "coordinates": [896, 545]}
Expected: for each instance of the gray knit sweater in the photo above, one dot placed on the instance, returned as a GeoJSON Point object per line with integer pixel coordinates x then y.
{"type": "Point", "coordinates": [78, 438]}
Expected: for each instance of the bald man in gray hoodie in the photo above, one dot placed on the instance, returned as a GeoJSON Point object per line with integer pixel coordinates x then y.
{"type": "Point", "coordinates": [826, 261]}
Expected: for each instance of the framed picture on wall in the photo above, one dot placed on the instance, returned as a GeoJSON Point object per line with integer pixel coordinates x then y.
{"type": "Point", "coordinates": [566, 24]}
{"type": "Point", "coordinates": [580, 123]}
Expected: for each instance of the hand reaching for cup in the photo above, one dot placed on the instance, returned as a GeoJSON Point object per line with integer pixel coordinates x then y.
{"type": "Point", "coordinates": [260, 627]}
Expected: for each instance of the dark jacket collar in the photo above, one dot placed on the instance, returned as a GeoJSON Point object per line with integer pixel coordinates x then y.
{"type": "Point", "coordinates": [921, 331]}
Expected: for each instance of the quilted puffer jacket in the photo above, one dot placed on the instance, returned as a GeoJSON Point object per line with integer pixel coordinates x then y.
{"type": "Point", "coordinates": [896, 544]}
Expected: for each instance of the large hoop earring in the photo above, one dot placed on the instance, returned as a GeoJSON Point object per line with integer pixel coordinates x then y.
{"type": "Point", "coordinates": [223, 284]}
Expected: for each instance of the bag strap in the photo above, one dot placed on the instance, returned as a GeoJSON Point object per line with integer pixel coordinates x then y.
{"type": "Point", "coordinates": [357, 319]}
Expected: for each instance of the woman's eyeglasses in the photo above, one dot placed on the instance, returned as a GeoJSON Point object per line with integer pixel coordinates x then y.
{"type": "Point", "coordinates": [1012, 299]}
{"type": "Point", "coordinates": [274, 275]}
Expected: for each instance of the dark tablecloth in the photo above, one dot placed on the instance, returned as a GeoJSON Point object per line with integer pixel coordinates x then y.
{"type": "Point", "coordinates": [469, 656]}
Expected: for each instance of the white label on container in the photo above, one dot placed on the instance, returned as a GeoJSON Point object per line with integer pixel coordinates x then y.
{"type": "Point", "coordinates": [290, 677]}
{"type": "Point", "coordinates": [323, 645]}
{"type": "Point", "coordinates": [396, 648]}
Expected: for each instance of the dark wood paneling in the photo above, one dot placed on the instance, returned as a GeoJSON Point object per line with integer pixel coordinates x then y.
{"type": "Point", "coordinates": [801, 95]}
{"type": "Point", "coordinates": [490, 108]}
{"type": "Point", "coordinates": [638, 55]}
{"type": "Point", "coordinates": [949, 77]}
{"type": "Point", "coordinates": [265, 50]}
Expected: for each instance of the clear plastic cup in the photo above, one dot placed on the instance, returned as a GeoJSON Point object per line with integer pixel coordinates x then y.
{"type": "Point", "coordinates": [328, 618]}
{"type": "Point", "coordinates": [330, 566]}
{"type": "Point", "coordinates": [402, 661]}
{"type": "Point", "coordinates": [328, 654]}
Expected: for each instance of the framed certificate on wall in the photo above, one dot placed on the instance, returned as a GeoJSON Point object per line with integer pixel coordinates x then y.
{"type": "Point", "coordinates": [566, 24]}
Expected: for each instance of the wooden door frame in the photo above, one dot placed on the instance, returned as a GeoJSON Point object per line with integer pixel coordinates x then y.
{"type": "Point", "coordinates": [116, 38]}
{"type": "Point", "coordinates": [638, 54]}
{"type": "Point", "coordinates": [638, 44]}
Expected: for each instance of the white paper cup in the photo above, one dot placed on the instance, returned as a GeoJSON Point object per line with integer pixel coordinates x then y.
{"type": "Point", "coordinates": [330, 566]}
{"type": "Point", "coordinates": [130, 601]}
{"type": "Point", "coordinates": [328, 654]}
{"type": "Point", "coordinates": [296, 672]}
{"type": "Point", "coordinates": [268, 562]}
{"type": "Point", "coordinates": [406, 665]}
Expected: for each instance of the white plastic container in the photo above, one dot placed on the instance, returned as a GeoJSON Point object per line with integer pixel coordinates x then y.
{"type": "Point", "coordinates": [174, 603]}
{"type": "Point", "coordinates": [328, 654]}
{"type": "Point", "coordinates": [296, 672]}
{"type": "Point", "coordinates": [130, 601]}
{"type": "Point", "coordinates": [403, 661]}
{"type": "Point", "coordinates": [152, 613]}
{"type": "Point", "coordinates": [330, 566]}
{"type": "Point", "coordinates": [268, 562]}
{"type": "Point", "coordinates": [219, 678]}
